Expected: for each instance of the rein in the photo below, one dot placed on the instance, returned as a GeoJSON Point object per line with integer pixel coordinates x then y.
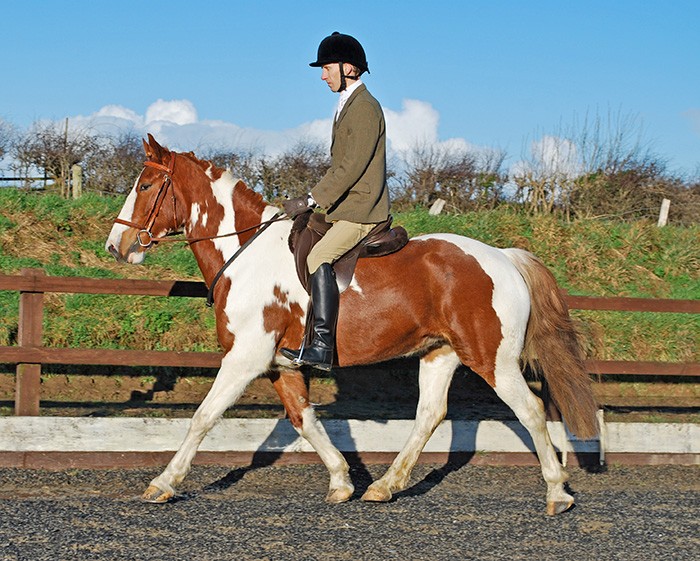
{"type": "Point", "coordinates": [264, 226]}
{"type": "Point", "coordinates": [145, 230]}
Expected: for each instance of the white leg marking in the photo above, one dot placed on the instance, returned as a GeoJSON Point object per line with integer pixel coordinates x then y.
{"type": "Point", "coordinates": [340, 488]}
{"type": "Point", "coordinates": [228, 386]}
{"type": "Point", "coordinates": [434, 380]}
{"type": "Point", "coordinates": [514, 391]}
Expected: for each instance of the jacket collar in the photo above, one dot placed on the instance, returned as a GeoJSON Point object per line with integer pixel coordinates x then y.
{"type": "Point", "coordinates": [353, 95]}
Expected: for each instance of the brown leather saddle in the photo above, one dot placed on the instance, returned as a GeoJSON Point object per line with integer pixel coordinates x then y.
{"type": "Point", "coordinates": [309, 228]}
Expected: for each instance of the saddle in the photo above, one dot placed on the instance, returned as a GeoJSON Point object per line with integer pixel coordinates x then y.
{"type": "Point", "coordinates": [309, 228]}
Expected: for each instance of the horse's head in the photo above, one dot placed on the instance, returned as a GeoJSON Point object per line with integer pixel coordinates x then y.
{"type": "Point", "coordinates": [151, 210]}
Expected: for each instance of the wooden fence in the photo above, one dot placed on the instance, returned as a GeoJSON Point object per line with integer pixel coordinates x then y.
{"type": "Point", "coordinates": [30, 353]}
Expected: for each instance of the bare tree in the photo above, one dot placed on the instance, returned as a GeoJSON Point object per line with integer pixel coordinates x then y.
{"type": "Point", "coordinates": [610, 143]}
{"type": "Point", "coordinates": [546, 179]}
{"type": "Point", "coordinates": [294, 172]}
{"type": "Point", "coordinates": [599, 166]}
{"type": "Point", "coordinates": [114, 163]}
{"type": "Point", "coordinates": [23, 158]}
{"type": "Point", "coordinates": [466, 179]}
{"type": "Point", "coordinates": [7, 137]}
{"type": "Point", "coordinates": [621, 176]}
{"type": "Point", "coordinates": [244, 164]}
{"type": "Point", "coordinates": [54, 148]}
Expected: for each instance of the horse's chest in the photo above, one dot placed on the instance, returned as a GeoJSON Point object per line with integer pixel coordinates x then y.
{"type": "Point", "coordinates": [259, 311]}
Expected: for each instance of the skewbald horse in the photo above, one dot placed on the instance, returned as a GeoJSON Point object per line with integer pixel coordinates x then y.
{"type": "Point", "coordinates": [448, 299]}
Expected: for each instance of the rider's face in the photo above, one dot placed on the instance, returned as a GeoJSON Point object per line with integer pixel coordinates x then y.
{"type": "Point", "coordinates": [331, 76]}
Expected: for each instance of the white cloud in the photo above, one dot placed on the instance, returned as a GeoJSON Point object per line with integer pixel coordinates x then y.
{"type": "Point", "coordinates": [416, 125]}
{"type": "Point", "coordinates": [119, 112]}
{"type": "Point", "coordinates": [179, 112]}
{"type": "Point", "coordinates": [175, 124]}
{"type": "Point", "coordinates": [550, 156]}
{"type": "Point", "coordinates": [557, 155]}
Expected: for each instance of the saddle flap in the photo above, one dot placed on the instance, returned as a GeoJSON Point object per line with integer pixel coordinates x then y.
{"type": "Point", "coordinates": [317, 223]}
{"type": "Point", "coordinates": [301, 240]}
{"type": "Point", "coordinates": [309, 228]}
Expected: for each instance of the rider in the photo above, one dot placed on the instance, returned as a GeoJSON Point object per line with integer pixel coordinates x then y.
{"type": "Point", "coordinates": [353, 192]}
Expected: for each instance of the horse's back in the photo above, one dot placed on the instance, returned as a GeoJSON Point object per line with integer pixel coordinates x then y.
{"type": "Point", "coordinates": [435, 260]}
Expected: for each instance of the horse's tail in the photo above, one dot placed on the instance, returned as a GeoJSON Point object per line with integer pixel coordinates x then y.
{"type": "Point", "coordinates": [552, 346]}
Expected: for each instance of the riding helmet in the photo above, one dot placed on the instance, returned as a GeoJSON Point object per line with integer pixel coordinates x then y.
{"type": "Point", "coordinates": [339, 47]}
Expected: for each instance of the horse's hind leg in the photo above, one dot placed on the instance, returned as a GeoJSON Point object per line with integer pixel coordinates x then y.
{"type": "Point", "coordinates": [512, 388]}
{"type": "Point", "coordinates": [435, 375]}
{"type": "Point", "coordinates": [228, 386]}
{"type": "Point", "coordinates": [295, 397]}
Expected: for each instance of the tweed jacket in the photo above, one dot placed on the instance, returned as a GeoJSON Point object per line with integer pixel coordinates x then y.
{"type": "Point", "coordinates": [354, 188]}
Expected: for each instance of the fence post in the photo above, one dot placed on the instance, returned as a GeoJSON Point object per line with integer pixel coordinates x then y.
{"type": "Point", "coordinates": [663, 213]}
{"type": "Point", "coordinates": [28, 376]}
{"type": "Point", "coordinates": [437, 207]}
{"type": "Point", "coordinates": [77, 180]}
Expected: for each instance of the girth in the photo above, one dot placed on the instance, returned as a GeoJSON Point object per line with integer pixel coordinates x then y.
{"type": "Point", "coordinates": [309, 228]}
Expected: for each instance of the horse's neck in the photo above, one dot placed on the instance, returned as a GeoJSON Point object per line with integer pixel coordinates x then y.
{"type": "Point", "coordinates": [225, 207]}
{"type": "Point", "coordinates": [249, 209]}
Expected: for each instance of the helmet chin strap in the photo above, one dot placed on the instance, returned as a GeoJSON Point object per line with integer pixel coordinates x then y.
{"type": "Point", "coordinates": [343, 82]}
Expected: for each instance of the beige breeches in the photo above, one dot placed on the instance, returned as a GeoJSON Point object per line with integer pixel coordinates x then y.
{"type": "Point", "coordinates": [340, 239]}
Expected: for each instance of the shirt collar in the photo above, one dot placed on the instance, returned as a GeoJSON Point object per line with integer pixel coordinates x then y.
{"type": "Point", "coordinates": [345, 95]}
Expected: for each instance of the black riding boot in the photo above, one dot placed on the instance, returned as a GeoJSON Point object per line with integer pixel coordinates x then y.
{"type": "Point", "coordinates": [324, 301]}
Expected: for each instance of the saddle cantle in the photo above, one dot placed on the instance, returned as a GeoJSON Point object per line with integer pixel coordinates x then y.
{"type": "Point", "coordinates": [309, 228]}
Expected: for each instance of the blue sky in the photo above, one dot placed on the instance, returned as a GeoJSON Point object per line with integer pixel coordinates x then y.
{"type": "Point", "coordinates": [494, 74]}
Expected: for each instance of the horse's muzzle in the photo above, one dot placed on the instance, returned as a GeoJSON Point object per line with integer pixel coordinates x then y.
{"type": "Point", "coordinates": [115, 253]}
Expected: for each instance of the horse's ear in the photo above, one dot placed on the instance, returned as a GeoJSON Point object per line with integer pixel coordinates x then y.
{"type": "Point", "coordinates": [154, 151]}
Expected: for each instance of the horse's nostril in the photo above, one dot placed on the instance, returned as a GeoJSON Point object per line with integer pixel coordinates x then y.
{"type": "Point", "coordinates": [114, 252]}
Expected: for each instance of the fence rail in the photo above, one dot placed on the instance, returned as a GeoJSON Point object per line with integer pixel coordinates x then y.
{"type": "Point", "coordinates": [30, 354]}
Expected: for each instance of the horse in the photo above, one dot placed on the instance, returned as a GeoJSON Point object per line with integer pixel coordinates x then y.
{"type": "Point", "coordinates": [447, 299]}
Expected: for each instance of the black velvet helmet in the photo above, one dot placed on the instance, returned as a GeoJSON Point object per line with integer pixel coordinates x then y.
{"type": "Point", "coordinates": [338, 47]}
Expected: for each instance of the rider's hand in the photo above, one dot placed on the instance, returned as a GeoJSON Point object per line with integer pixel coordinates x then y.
{"type": "Point", "coordinates": [298, 205]}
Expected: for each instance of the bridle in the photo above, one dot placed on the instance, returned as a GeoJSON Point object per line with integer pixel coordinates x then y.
{"type": "Point", "coordinates": [168, 185]}
{"type": "Point", "coordinates": [145, 229]}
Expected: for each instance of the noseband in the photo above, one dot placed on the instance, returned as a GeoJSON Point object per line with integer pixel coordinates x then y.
{"type": "Point", "coordinates": [145, 229]}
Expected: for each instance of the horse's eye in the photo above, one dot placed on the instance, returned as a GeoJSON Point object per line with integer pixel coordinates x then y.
{"type": "Point", "coordinates": [144, 187]}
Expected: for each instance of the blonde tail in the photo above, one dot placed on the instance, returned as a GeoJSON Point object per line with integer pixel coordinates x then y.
{"type": "Point", "coordinates": [552, 347]}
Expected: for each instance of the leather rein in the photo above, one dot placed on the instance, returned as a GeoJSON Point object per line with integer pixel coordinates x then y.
{"type": "Point", "coordinates": [144, 230]}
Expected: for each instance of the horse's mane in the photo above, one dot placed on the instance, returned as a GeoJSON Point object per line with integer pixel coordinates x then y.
{"type": "Point", "coordinates": [206, 165]}
{"type": "Point", "coordinates": [248, 196]}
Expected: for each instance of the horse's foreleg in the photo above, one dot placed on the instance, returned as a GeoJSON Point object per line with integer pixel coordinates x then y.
{"type": "Point", "coordinates": [512, 388]}
{"type": "Point", "coordinates": [435, 375]}
{"type": "Point", "coordinates": [295, 397]}
{"type": "Point", "coordinates": [228, 386]}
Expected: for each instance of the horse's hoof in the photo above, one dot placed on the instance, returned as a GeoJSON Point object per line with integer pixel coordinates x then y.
{"type": "Point", "coordinates": [336, 496]}
{"type": "Point", "coordinates": [155, 495]}
{"type": "Point", "coordinates": [376, 495]}
{"type": "Point", "coordinates": [557, 507]}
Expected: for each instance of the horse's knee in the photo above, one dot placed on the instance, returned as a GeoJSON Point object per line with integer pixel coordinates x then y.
{"type": "Point", "coordinates": [203, 421]}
